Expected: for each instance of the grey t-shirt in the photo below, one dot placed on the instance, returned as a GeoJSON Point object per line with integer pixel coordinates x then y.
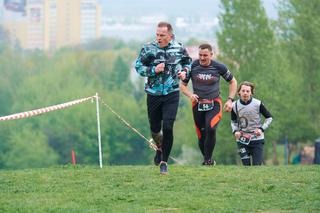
{"type": "Point", "coordinates": [206, 79]}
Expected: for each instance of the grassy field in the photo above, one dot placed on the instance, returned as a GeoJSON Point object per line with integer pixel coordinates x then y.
{"type": "Point", "coordinates": [142, 189]}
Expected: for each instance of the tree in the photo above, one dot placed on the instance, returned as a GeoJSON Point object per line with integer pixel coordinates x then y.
{"type": "Point", "coordinates": [28, 148]}
{"type": "Point", "coordinates": [299, 29]}
{"type": "Point", "coordinates": [125, 146]}
{"type": "Point", "coordinates": [248, 46]}
{"type": "Point", "coordinates": [245, 38]}
{"type": "Point", "coordinates": [120, 74]}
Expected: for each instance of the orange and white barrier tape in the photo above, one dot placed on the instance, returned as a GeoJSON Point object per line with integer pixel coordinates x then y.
{"type": "Point", "coordinates": [44, 110]}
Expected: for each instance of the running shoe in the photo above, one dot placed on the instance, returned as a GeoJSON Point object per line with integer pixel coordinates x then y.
{"type": "Point", "coordinates": [163, 168]}
{"type": "Point", "coordinates": [209, 162]}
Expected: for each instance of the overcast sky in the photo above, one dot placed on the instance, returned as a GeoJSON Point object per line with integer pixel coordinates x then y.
{"type": "Point", "coordinates": [171, 7]}
{"type": "Point", "coordinates": [164, 10]}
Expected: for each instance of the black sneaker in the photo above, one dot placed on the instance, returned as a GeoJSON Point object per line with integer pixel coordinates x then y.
{"type": "Point", "coordinates": [163, 168]}
{"type": "Point", "coordinates": [209, 163]}
{"type": "Point", "coordinates": [157, 158]}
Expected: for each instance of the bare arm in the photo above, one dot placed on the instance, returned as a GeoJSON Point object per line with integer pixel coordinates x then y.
{"type": "Point", "coordinates": [187, 92]}
{"type": "Point", "coordinates": [232, 92]}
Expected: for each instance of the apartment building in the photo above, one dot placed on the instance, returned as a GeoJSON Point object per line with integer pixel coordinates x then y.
{"type": "Point", "coordinates": [51, 24]}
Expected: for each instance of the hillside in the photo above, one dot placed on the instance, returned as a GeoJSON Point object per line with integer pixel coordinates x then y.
{"type": "Point", "coordinates": [142, 189]}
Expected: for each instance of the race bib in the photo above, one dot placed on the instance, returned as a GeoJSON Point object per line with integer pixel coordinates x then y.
{"type": "Point", "coordinates": [205, 105]}
{"type": "Point", "coordinates": [245, 138]}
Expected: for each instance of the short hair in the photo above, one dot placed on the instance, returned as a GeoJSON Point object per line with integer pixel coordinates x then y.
{"type": "Point", "coordinates": [166, 24]}
{"type": "Point", "coordinates": [247, 83]}
{"type": "Point", "coordinates": [205, 46]}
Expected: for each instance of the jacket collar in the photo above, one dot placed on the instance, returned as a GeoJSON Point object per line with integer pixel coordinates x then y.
{"type": "Point", "coordinates": [245, 103]}
{"type": "Point", "coordinates": [169, 44]}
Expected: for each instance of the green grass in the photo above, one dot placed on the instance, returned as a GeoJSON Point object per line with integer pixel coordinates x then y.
{"type": "Point", "coordinates": [142, 189]}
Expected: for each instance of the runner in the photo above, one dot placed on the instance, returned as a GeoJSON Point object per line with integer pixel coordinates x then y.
{"type": "Point", "coordinates": [247, 125]}
{"type": "Point", "coordinates": [206, 102]}
{"type": "Point", "coordinates": [163, 62]}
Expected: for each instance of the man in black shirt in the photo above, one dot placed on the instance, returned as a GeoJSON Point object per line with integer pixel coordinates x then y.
{"type": "Point", "coordinates": [206, 101]}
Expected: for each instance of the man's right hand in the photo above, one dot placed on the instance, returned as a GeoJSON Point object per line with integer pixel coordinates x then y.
{"type": "Point", "coordinates": [194, 97]}
{"type": "Point", "coordinates": [160, 68]}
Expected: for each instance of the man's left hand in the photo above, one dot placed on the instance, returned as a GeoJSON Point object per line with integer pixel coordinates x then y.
{"type": "Point", "coordinates": [182, 75]}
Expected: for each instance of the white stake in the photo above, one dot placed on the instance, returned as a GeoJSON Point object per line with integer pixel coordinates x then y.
{"type": "Point", "coordinates": [99, 134]}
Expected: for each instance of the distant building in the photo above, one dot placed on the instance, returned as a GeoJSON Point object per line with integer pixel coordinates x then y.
{"type": "Point", "coordinates": [51, 24]}
{"type": "Point", "coordinates": [90, 20]}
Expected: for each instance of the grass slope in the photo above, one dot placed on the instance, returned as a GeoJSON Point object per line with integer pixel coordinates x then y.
{"type": "Point", "coordinates": [142, 189]}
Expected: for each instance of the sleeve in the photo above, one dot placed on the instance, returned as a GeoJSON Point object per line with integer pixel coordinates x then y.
{"type": "Point", "coordinates": [187, 79]}
{"type": "Point", "coordinates": [234, 121]}
{"type": "Point", "coordinates": [189, 75]}
{"type": "Point", "coordinates": [225, 72]}
{"type": "Point", "coordinates": [267, 115]}
{"type": "Point", "coordinates": [186, 60]}
{"type": "Point", "coordinates": [144, 65]}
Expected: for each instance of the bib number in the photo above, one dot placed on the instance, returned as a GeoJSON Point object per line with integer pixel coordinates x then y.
{"type": "Point", "coordinates": [245, 138]}
{"type": "Point", "coordinates": [205, 105]}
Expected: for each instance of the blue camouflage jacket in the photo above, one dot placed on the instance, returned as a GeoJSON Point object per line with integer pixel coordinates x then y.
{"type": "Point", "coordinates": [176, 59]}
